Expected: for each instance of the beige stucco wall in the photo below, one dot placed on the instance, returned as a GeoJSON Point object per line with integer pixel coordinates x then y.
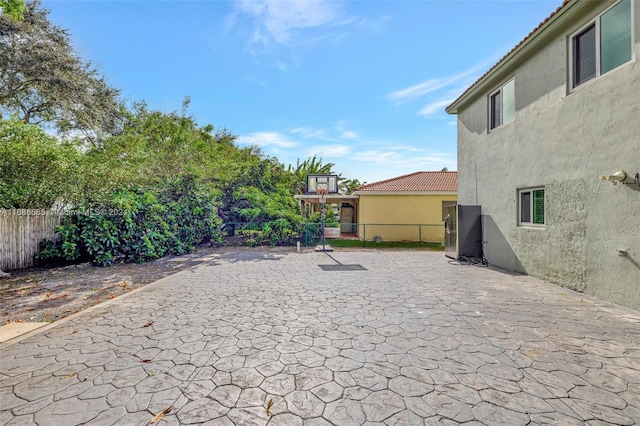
{"type": "Point", "coordinates": [405, 213]}
{"type": "Point", "coordinates": [561, 140]}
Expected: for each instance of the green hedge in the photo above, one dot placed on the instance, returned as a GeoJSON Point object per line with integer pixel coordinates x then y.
{"type": "Point", "coordinates": [137, 225]}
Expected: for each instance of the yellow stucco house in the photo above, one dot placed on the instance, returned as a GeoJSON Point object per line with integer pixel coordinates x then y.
{"type": "Point", "coordinates": [406, 208]}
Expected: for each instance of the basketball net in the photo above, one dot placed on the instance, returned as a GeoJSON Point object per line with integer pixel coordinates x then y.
{"type": "Point", "coordinates": [322, 190]}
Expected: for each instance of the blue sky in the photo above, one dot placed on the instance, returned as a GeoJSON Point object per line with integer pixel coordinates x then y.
{"type": "Point", "coordinates": [362, 84]}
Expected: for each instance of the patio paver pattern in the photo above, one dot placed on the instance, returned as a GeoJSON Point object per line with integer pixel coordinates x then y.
{"type": "Point", "coordinates": [275, 340]}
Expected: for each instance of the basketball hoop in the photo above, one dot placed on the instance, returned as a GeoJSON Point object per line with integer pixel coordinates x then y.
{"type": "Point", "coordinates": [322, 189]}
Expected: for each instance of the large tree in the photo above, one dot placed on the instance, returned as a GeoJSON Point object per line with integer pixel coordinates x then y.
{"type": "Point", "coordinates": [155, 146]}
{"type": "Point", "coordinates": [43, 80]}
{"type": "Point", "coordinates": [35, 169]}
{"type": "Point", "coordinates": [12, 8]}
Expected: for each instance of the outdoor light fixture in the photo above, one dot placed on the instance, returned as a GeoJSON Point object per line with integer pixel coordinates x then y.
{"type": "Point", "coordinates": [618, 176]}
{"type": "Point", "coordinates": [621, 176]}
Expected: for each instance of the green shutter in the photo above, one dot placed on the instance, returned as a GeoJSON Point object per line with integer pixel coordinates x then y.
{"type": "Point", "coordinates": [615, 36]}
{"type": "Point", "coordinates": [538, 206]}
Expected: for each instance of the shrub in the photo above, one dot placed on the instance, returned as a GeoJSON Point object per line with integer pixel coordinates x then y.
{"type": "Point", "coordinates": [269, 218]}
{"type": "Point", "coordinates": [138, 224]}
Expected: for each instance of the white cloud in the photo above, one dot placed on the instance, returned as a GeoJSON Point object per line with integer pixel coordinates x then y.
{"type": "Point", "coordinates": [264, 139]}
{"type": "Point", "coordinates": [308, 133]}
{"type": "Point", "coordinates": [387, 162]}
{"type": "Point", "coordinates": [278, 30]}
{"type": "Point", "coordinates": [435, 107]}
{"type": "Point", "coordinates": [380, 163]}
{"type": "Point", "coordinates": [376, 25]}
{"type": "Point", "coordinates": [335, 134]}
{"type": "Point", "coordinates": [280, 20]}
{"type": "Point", "coordinates": [344, 133]}
{"type": "Point", "coordinates": [348, 134]}
{"type": "Point", "coordinates": [421, 89]}
{"type": "Point", "coordinates": [398, 157]}
{"type": "Point", "coordinates": [466, 78]}
{"type": "Point", "coordinates": [329, 151]}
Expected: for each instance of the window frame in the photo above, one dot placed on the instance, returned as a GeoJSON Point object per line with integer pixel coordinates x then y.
{"type": "Point", "coordinates": [595, 21]}
{"type": "Point", "coordinates": [574, 52]}
{"type": "Point", "coordinates": [531, 207]}
{"type": "Point", "coordinates": [498, 94]}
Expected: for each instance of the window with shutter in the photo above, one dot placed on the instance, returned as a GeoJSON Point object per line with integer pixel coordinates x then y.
{"type": "Point", "coordinates": [531, 206]}
{"type": "Point", "coordinates": [603, 45]}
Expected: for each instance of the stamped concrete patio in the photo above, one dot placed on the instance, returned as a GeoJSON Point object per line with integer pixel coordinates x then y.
{"type": "Point", "coordinates": [274, 339]}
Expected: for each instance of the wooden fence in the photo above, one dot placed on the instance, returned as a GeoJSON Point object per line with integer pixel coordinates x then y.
{"type": "Point", "coordinates": [20, 233]}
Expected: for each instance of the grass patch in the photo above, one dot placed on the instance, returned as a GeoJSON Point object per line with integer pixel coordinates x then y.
{"type": "Point", "coordinates": [386, 244]}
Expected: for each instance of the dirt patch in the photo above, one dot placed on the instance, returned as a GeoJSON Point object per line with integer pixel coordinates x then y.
{"type": "Point", "coordinates": [41, 295]}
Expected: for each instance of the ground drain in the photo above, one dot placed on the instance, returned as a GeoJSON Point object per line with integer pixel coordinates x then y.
{"type": "Point", "coordinates": [341, 267]}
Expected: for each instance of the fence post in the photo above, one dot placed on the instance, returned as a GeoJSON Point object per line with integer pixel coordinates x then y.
{"type": "Point", "coordinates": [420, 235]}
{"type": "Point", "coordinates": [364, 237]}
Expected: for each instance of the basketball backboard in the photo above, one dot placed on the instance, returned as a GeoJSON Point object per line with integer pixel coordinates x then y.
{"type": "Point", "coordinates": [331, 182]}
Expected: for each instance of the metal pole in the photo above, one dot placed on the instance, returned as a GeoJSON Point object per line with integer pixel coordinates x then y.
{"type": "Point", "coordinates": [364, 238]}
{"type": "Point", "coordinates": [323, 238]}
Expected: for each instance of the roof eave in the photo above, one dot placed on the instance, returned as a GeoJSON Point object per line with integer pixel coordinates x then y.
{"type": "Point", "coordinates": [529, 44]}
{"type": "Point", "coordinates": [405, 193]}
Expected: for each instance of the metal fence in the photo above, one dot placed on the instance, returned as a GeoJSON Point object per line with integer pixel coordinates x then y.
{"type": "Point", "coordinates": [366, 233]}
{"type": "Point", "coordinates": [20, 233]}
{"type": "Point", "coordinates": [372, 233]}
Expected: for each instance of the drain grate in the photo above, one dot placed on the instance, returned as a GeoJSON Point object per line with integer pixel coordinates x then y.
{"type": "Point", "coordinates": [342, 267]}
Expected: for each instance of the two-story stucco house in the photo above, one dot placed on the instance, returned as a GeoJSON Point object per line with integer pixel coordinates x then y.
{"type": "Point", "coordinates": [537, 134]}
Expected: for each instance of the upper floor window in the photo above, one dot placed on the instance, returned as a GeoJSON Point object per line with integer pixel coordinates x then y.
{"type": "Point", "coordinates": [502, 105]}
{"type": "Point", "coordinates": [604, 44]}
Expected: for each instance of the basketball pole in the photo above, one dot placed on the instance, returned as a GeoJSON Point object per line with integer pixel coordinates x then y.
{"type": "Point", "coordinates": [324, 240]}
{"type": "Point", "coordinates": [322, 190]}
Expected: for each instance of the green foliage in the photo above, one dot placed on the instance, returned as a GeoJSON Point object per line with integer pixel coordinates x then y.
{"type": "Point", "coordinates": [310, 166]}
{"type": "Point", "coordinates": [271, 216]}
{"type": "Point", "coordinates": [138, 224]}
{"type": "Point", "coordinates": [156, 146]}
{"type": "Point", "coordinates": [142, 183]}
{"type": "Point", "coordinates": [42, 78]}
{"type": "Point", "coordinates": [259, 198]}
{"type": "Point", "coordinates": [312, 233]}
{"type": "Point", "coordinates": [35, 169]}
{"type": "Point", "coordinates": [47, 250]}
{"type": "Point", "coordinates": [347, 186]}
{"type": "Point", "coordinates": [330, 218]}
{"type": "Point", "coordinates": [13, 8]}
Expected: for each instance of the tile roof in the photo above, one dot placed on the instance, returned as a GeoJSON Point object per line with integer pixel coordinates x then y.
{"type": "Point", "coordinates": [415, 182]}
{"type": "Point", "coordinates": [516, 47]}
